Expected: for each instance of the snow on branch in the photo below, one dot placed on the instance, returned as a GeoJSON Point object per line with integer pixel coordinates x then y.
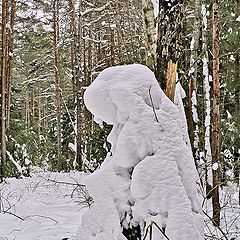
{"type": "Point", "coordinates": [91, 10]}
{"type": "Point", "coordinates": [18, 167]}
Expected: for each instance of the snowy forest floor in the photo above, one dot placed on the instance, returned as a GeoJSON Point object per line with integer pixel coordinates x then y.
{"type": "Point", "coordinates": [50, 205]}
{"type": "Point", "coordinates": [44, 206]}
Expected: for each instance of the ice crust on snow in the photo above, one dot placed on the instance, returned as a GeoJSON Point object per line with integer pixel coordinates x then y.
{"type": "Point", "coordinates": [150, 173]}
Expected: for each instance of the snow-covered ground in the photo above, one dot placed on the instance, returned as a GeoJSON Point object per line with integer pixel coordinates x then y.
{"type": "Point", "coordinates": [52, 210]}
{"type": "Point", "coordinates": [46, 206]}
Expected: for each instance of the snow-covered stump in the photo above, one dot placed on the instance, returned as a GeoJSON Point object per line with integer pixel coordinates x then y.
{"type": "Point", "coordinates": [150, 174]}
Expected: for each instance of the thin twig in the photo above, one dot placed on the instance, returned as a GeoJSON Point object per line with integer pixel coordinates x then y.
{"type": "Point", "coordinates": [66, 183]}
{"type": "Point", "coordinates": [40, 216]}
{"type": "Point", "coordinates": [217, 226]}
{"type": "Point", "coordinates": [161, 231]}
{"type": "Point", "coordinates": [150, 226]}
{"type": "Point", "coordinates": [154, 111]}
{"type": "Point", "coordinates": [15, 215]}
{"type": "Point", "coordinates": [146, 232]}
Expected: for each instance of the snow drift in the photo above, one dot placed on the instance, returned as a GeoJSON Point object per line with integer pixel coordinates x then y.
{"type": "Point", "coordinates": [150, 173]}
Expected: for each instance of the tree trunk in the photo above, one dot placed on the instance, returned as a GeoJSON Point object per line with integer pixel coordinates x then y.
{"type": "Point", "coordinates": [39, 114]}
{"type": "Point", "coordinates": [149, 26]}
{"type": "Point", "coordinates": [237, 107]}
{"type": "Point", "coordinates": [216, 117]}
{"type": "Point", "coordinates": [79, 93]}
{"type": "Point", "coordinates": [43, 117]}
{"type": "Point", "coordinates": [3, 88]}
{"type": "Point", "coordinates": [169, 43]}
{"type": "Point", "coordinates": [57, 82]}
{"type": "Point", "coordinates": [33, 105]}
{"type": "Point", "coordinates": [26, 117]}
{"type": "Point", "coordinates": [193, 75]}
{"type": "Point", "coordinates": [10, 60]}
{"type": "Point", "coordinates": [207, 104]}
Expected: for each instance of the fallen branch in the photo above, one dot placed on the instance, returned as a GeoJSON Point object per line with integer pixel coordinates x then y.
{"type": "Point", "coordinates": [224, 235]}
{"type": "Point", "coordinates": [15, 215]}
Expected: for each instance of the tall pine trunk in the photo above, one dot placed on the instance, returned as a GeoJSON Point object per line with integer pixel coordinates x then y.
{"type": "Point", "coordinates": [3, 89]}
{"type": "Point", "coordinates": [216, 117]}
{"type": "Point", "coordinates": [57, 82]}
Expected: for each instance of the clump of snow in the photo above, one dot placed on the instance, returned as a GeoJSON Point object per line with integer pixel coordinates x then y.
{"type": "Point", "coordinates": [150, 173]}
{"type": "Point", "coordinates": [215, 166]}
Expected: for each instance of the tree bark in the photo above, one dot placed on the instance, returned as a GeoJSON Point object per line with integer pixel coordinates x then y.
{"type": "Point", "coordinates": [39, 114]}
{"type": "Point", "coordinates": [207, 105]}
{"type": "Point", "coordinates": [33, 105]}
{"type": "Point", "coordinates": [10, 60]}
{"type": "Point", "coordinates": [3, 88]}
{"type": "Point", "coordinates": [79, 92]}
{"type": "Point", "coordinates": [193, 77]}
{"type": "Point", "coordinates": [57, 82]}
{"type": "Point", "coordinates": [169, 43]}
{"type": "Point", "coordinates": [149, 26]}
{"type": "Point", "coordinates": [26, 117]}
{"type": "Point", "coordinates": [216, 117]}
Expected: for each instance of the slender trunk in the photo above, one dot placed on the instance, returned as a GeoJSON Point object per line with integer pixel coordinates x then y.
{"type": "Point", "coordinates": [72, 4]}
{"type": "Point", "coordinates": [216, 118]}
{"type": "Point", "coordinates": [79, 95]}
{"type": "Point", "coordinates": [57, 82]}
{"type": "Point", "coordinates": [193, 75]}
{"type": "Point", "coordinates": [237, 103]}
{"type": "Point", "coordinates": [149, 27]}
{"type": "Point", "coordinates": [10, 60]}
{"type": "Point", "coordinates": [112, 40]}
{"type": "Point", "coordinates": [3, 88]}
{"type": "Point", "coordinates": [207, 104]}
{"type": "Point", "coordinates": [26, 109]}
{"type": "Point", "coordinates": [33, 105]}
{"type": "Point", "coordinates": [43, 117]}
{"type": "Point", "coordinates": [39, 114]}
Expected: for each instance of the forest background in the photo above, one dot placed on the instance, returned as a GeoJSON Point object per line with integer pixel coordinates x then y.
{"type": "Point", "coordinates": [52, 50]}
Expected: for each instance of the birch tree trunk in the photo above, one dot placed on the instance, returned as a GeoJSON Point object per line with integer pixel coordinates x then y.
{"type": "Point", "coordinates": [3, 88]}
{"type": "Point", "coordinates": [149, 26]}
{"type": "Point", "coordinates": [57, 82]}
{"type": "Point", "coordinates": [216, 117]}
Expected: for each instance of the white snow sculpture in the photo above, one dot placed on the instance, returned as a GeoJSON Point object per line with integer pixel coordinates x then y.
{"type": "Point", "coordinates": [150, 175]}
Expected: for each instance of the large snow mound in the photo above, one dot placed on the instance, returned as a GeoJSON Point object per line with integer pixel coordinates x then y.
{"type": "Point", "coordinates": [150, 173]}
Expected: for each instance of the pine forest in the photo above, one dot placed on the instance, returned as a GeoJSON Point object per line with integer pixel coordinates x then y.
{"type": "Point", "coordinates": [120, 120]}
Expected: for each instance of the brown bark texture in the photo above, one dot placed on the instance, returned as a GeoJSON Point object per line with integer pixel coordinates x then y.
{"type": "Point", "coordinates": [57, 82]}
{"type": "Point", "coordinates": [216, 126]}
{"type": "Point", "coordinates": [169, 39]}
{"type": "Point", "coordinates": [10, 60]}
{"type": "Point", "coordinates": [3, 88]}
